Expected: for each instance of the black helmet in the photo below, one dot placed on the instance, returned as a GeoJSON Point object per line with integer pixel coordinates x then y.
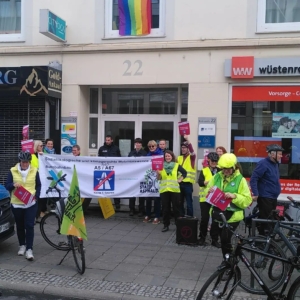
{"type": "Point", "coordinates": [184, 144]}
{"type": "Point", "coordinates": [213, 156]}
{"type": "Point", "coordinates": [24, 156]}
{"type": "Point", "coordinates": [274, 147]}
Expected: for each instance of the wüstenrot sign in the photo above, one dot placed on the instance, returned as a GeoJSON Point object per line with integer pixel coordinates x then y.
{"type": "Point", "coordinates": [247, 67]}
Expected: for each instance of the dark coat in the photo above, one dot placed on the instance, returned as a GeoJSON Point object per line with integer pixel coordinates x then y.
{"type": "Point", "coordinates": [137, 153]}
{"type": "Point", "coordinates": [109, 151]}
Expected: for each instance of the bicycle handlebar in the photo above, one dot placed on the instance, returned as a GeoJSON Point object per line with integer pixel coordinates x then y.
{"type": "Point", "coordinates": [62, 178]}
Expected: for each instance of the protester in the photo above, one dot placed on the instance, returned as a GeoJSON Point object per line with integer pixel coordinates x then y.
{"type": "Point", "coordinates": [27, 176]}
{"type": "Point", "coordinates": [153, 150]}
{"type": "Point", "coordinates": [187, 161]}
{"type": "Point", "coordinates": [265, 185]}
{"type": "Point", "coordinates": [169, 190]}
{"type": "Point", "coordinates": [162, 145]}
{"type": "Point", "coordinates": [109, 149]}
{"type": "Point", "coordinates": [38, 149]}
{"type": "Point", "coordinates": [137, 152]}
{"type": "Point", "coordinates": [49, 146]}
{"type": "Point", "coordinates": [235, 187]}
{"type": "Point", "coordinates": [76, 150]}
{"type": "Point", "coordinates": [206, 174]}
{"type": "Point", "coordinates": [221, 150]}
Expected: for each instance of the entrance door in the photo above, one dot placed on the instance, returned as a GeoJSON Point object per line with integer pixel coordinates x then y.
{"type": "Point", "coordinates": [148, 128]}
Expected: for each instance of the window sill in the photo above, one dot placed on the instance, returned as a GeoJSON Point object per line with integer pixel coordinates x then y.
{"type": "Point", "coordinates": [10, 41]}
{"type": "Point", "coordinates": [133, 37]}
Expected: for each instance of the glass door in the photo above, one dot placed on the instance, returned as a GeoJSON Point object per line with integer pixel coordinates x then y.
{"type": "Point", "coordinates": [123, 134]}
{"type": "Point", "coordinates": [157, 131]}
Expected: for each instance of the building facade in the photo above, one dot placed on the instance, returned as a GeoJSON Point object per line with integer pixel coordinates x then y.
{"type": "Point", "coordinates": [234, 62]}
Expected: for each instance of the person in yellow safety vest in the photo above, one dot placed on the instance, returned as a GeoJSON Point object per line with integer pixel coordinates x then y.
{"type": "Point", "coordinates": [187, 160]}
{"type": "Point", "coordinates": [236, 188]}
{"type": "Point", "coordinates": [170, 177]}
{"type": "Point", "coordinates": [204, 177]}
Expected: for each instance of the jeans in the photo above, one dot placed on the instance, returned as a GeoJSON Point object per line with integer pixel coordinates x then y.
{"type": "Point", "coordinates": [226, 235]}
{"type": "Point", "coordinates": [156, 206]}
{"type": "Point", "coordinates": [24, 218]}
{"type": "Point", "coordinates": [265, 206]}
{"type": "Point", "coordinates": [186, 191]}
{"type": "Point", "coordinates": [166, 199]}
{"type": "Point", "coordinates": [42, 206]}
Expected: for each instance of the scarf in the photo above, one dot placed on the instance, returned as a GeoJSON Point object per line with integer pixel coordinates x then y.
{"type": "Point", "coordinates": [49, 151]}
{"type": "Point", "coordinates": [24, 173]}
{"type": "Point", "coordinates": [169, 166]}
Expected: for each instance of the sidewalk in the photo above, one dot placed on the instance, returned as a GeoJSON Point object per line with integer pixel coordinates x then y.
{"type": "Point", "coordinates": [126, 259]}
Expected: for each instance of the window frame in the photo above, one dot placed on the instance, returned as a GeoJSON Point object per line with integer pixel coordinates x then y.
{"type": "Point", "coordinates": [263, 27]}
{"type": "Point", "coordinates": [114, 34]}
{"type": "Point", "coordinates": [16, 37]}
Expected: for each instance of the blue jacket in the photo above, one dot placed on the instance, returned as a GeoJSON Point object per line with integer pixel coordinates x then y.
{"type": "Point", "coordinates": [157, 151]}
{"type": "Point", "coordinates": [264, 181]}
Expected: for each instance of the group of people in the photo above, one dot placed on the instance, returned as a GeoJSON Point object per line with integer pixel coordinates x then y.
{"type": "Point", "coordinates": [176, 181]}
{"type": "Point", "coordinates": [287, 125]}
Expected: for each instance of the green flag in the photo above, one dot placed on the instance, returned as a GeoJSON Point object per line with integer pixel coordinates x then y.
{"type": "Point", "coordinates": [73, 220]}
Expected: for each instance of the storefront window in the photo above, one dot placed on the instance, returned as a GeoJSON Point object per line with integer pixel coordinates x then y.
{"type": "Point", "coordinates": [262, 116]}
{"type": "Point", "coordinates": [10, 16]}
{"type": "Point", "coordinates": [184, 101]}
{"type": "Point", "coordinates": [93, 101]}
{"type": "Point", "coordinates": [140, 101]}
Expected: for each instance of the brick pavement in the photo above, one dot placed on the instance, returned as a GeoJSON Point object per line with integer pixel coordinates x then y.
{"type": "Point", "coordinates": [126, 259]}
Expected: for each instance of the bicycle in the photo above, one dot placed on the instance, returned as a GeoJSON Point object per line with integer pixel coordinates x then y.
{"type": "Point", "coordinates": [222, 284]}
{"type": "Point", "coordinates": [50, 229]}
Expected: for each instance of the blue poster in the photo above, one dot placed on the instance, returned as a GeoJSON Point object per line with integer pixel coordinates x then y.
{"type": "Point", "coordinates": [206, 141]}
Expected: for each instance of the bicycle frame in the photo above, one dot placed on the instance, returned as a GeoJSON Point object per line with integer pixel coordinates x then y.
{"type": "Point", "coordinates": [238, 252]}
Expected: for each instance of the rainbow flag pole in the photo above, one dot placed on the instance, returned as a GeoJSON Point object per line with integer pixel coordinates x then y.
{"type": "Point", "coordinates": [135, 17]}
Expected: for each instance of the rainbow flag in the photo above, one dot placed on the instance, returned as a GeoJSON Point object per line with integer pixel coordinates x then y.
{"type": "Point", "coordinates": [135, 17]}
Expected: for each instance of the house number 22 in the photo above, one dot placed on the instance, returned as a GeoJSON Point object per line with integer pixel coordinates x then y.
{"type": "Point", "coordinates": [135, 69]}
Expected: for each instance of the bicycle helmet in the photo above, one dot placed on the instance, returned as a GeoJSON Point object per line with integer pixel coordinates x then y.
{"type": "Point", "coordinates": [213, 156]}
{"type": "Point", "coordinates": [184, 144]}
{"type": "Point", "coordinates": [274, 147]}
{"type": "Point", "coordinates": [24, 156]}
{"type": "Point", "coordinates": [227, 161]}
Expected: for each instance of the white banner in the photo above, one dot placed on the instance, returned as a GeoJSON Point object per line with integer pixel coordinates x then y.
{"type": "Point", "coordinates": [100, 177]}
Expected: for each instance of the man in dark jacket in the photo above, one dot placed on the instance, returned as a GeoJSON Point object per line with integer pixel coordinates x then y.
{"type": "Point", "coordinates": [137, 152]}
{"type": "Point", "coordinates": [109, 149]}
{"type": "Point", "coordinates": [265, 184]}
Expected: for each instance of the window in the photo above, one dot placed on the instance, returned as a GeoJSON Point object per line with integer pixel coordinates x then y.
{"type": "Point", "coordinates": [11, 21]}
{"type": "Point", "coordinates": [112, 20]}
{"type": "Point", "coordinates": [256, 123]}
{"type": "Point", "coordinates": [278, 15]}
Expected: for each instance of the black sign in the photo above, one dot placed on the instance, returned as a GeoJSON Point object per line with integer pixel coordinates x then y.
{"type": "Point", "coordinates": [30, 81]}
{"type": "Point", "coordinates": [54, 82]}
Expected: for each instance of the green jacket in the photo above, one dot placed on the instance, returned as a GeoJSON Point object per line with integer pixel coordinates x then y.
{"type": "Point", "coordinates": [243, 195]}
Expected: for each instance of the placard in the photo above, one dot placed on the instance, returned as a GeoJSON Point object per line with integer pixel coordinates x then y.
{"type": "Point", "coordinates": [217, 198]}
{"type": "Point", "coordinates": [25, 132]}
{"type": "Point", "coordinates": [157, 163]}
{"type": "Point", "coordinates": [106, 207]}
{"type": "Point", "coordinates": [184, 128]}
{"type": "Point", "coordinates": [25, 196]}
{"type": "Point", "coordinates": [28, 145]}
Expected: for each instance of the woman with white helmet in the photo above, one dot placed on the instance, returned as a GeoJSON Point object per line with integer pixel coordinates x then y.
{"type": "Point", "coordinates": [235, 187]}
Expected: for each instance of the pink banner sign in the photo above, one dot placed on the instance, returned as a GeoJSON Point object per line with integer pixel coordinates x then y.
{"type": "Point", "coordinates": [25, 132]}
{"type": "Point", "coordinates": [157, 163]}
{"type": "Point", "coordinates": [184, 128]}
{"type": "Point", "coordinates": [27, 146]}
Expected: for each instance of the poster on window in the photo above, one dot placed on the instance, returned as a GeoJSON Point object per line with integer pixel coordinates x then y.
{"type": "Point", "coordinates": [252, 148]}
{"type": "Point", "coordinates": [286, 125]}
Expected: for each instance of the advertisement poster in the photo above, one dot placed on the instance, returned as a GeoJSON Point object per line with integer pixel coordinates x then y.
{"type": "Point", "coordinates": [68, 134]}
{"type": "Point", "coordinates": [286, 125]}
{"type": "Point", "coordinates": [252, 149]}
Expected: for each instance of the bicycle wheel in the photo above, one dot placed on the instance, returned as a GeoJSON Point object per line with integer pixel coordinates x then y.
{"type": "Point", "coordinates": [294, 292]}
{"type": "Point", "coordinates": [271, 271]}
{"type": "Point", "coordinates": [220, 284]}
{"type": "Point", "coordinates": [50, 230]}
{"type": "Point", "coordinates": [78, 253]}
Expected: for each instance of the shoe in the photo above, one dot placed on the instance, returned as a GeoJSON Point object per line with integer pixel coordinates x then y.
{"type": "Point", "coordinates": [201, 241]}
{"type": "Point", "coordinates": [22, 250]}
{"type": "Point", "coordinates": [166, 228]}
{"type": "Point", "coordinates": [146, 220]}
{"type": "Point", "coordinates": [131, 214]}
{"type": "Point", "coordinates": [29, 255]}
{"type": "Point", "coordinates": [155, 221]}
{"type": "Point", "coordinates": [216, 244]}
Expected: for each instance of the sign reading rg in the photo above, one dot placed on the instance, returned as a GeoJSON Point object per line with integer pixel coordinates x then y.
{"type": "Point", "coordinates": [6, 78]}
